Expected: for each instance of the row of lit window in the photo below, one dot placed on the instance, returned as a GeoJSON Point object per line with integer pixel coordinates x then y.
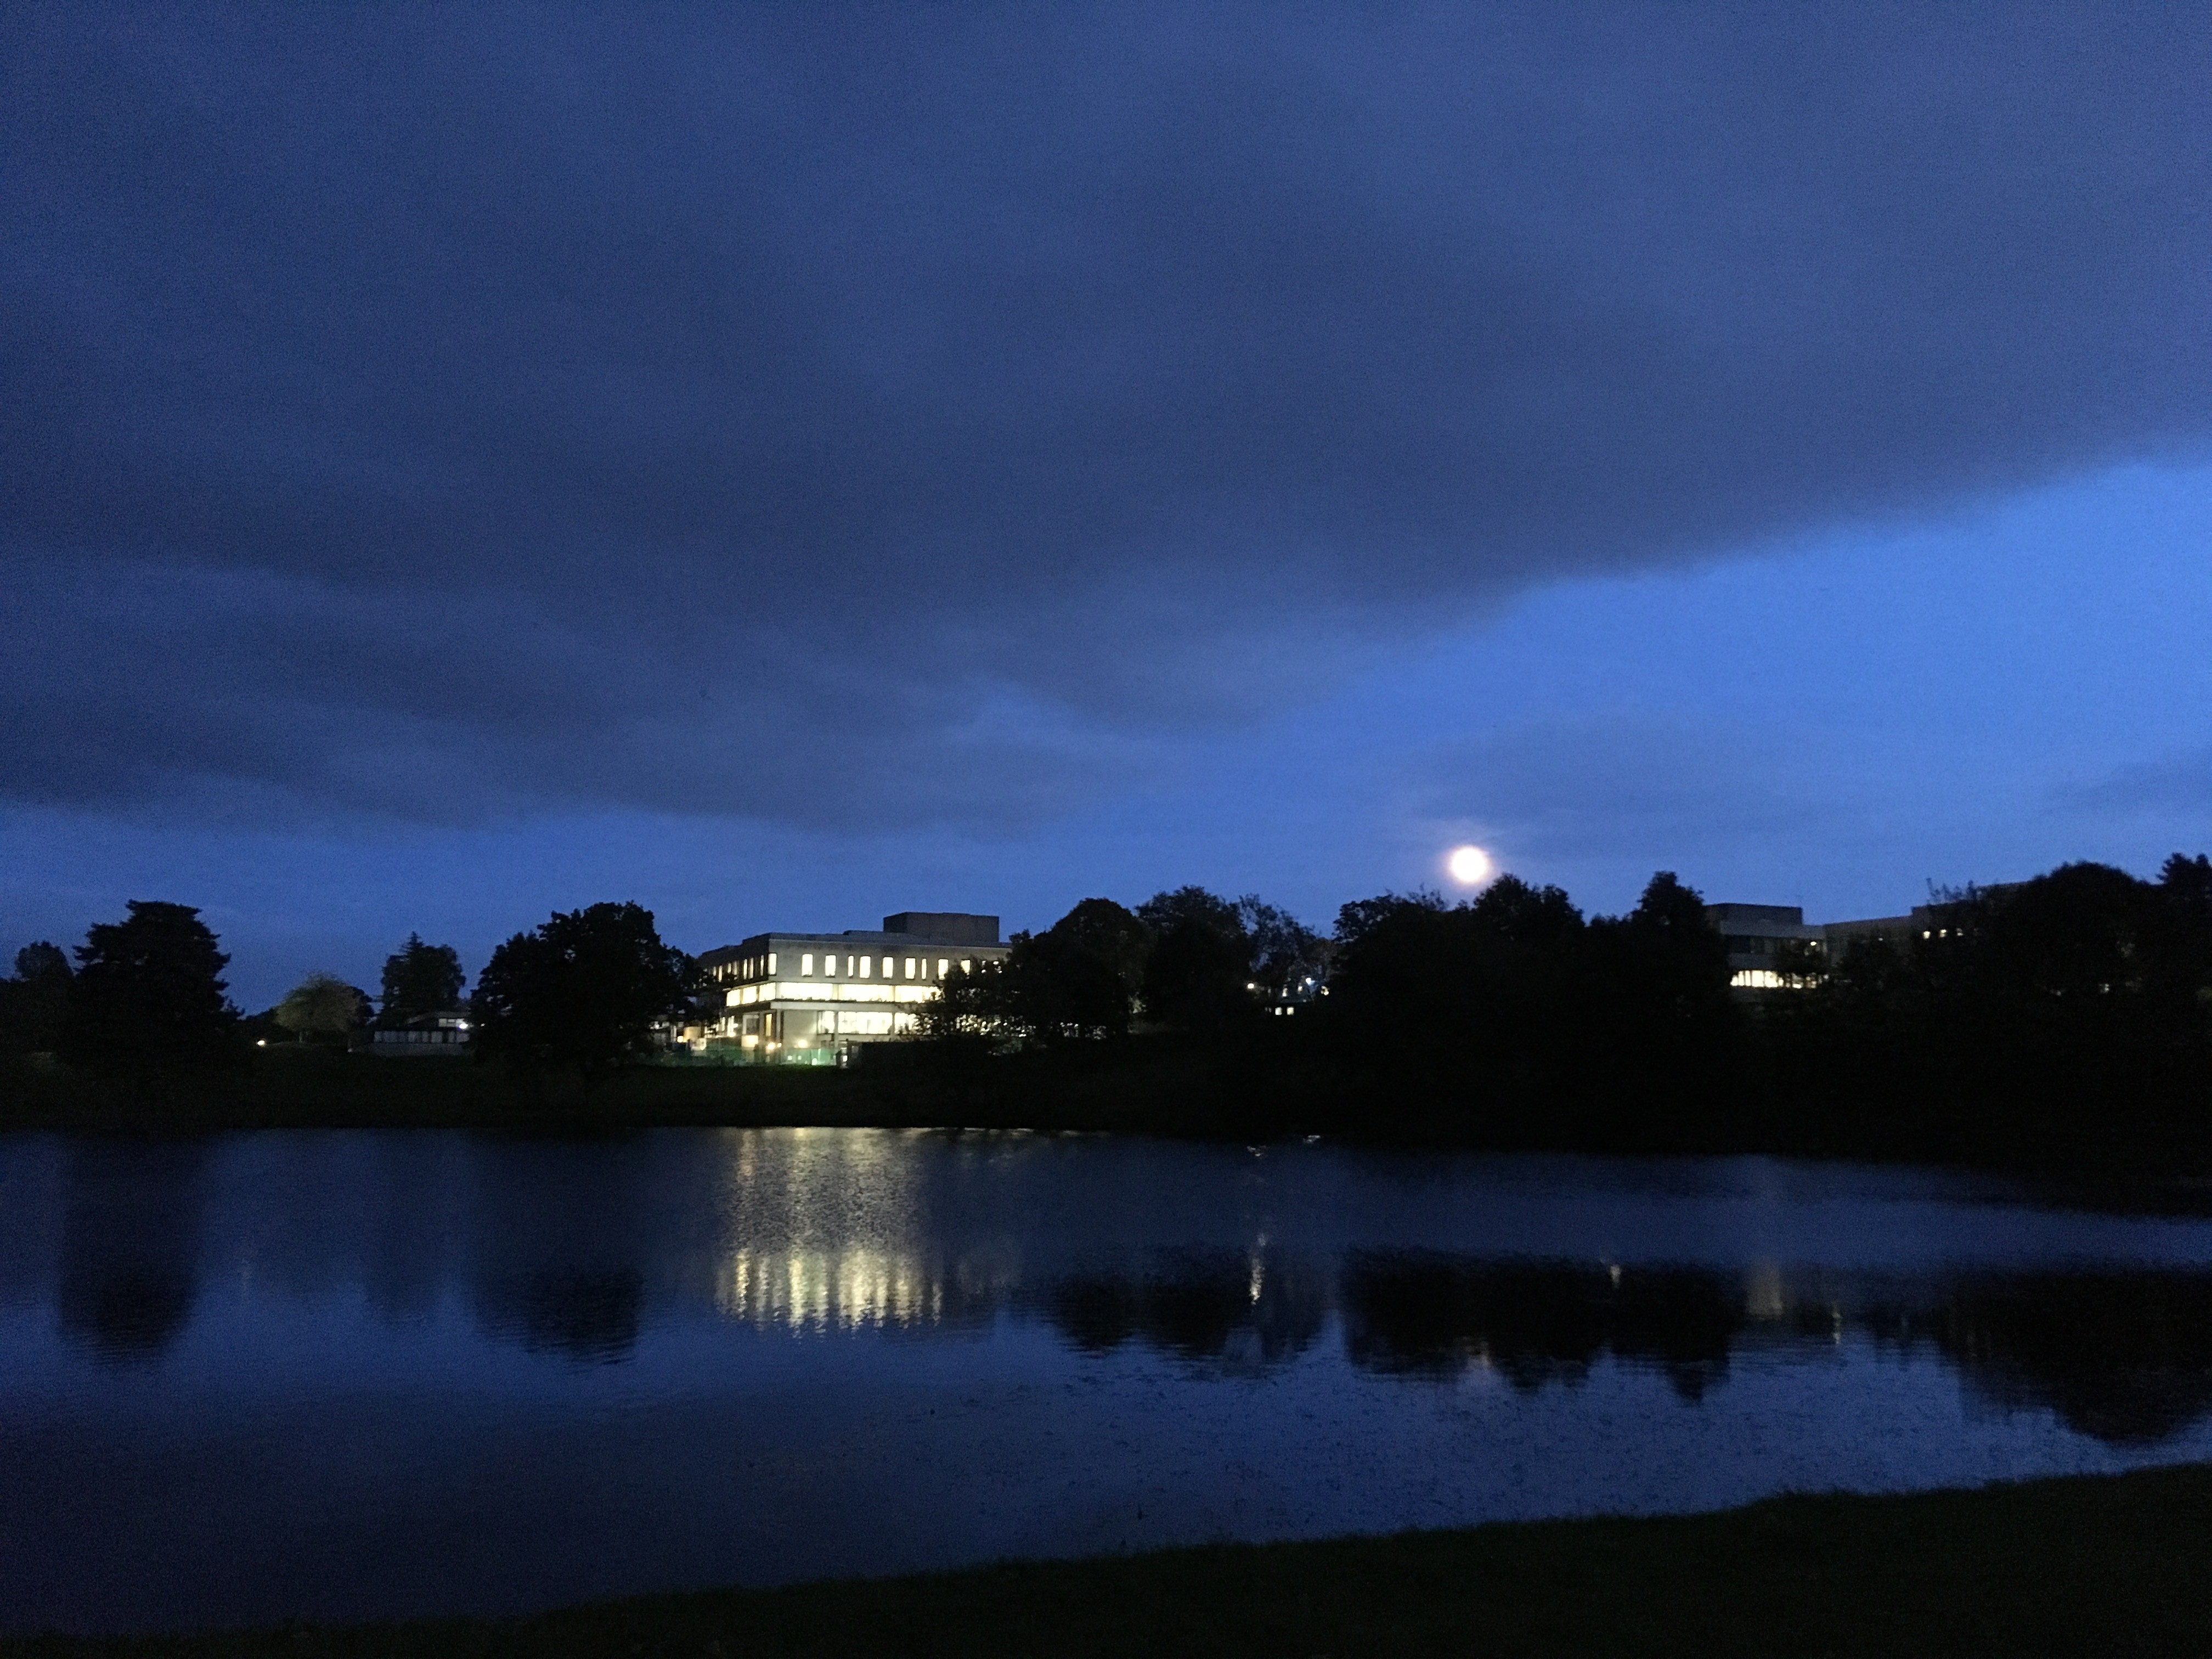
{"type": "Point", "coordinates": [1765, 979]}
{"type": "Point", "coordinates": [859, 967]}
{"type": "Point", "coordinates": [843, 1022]}
{"type": "Point", "coordinates": [786, 990]}
{"type": "Point", "coordinates": [1763, 944]}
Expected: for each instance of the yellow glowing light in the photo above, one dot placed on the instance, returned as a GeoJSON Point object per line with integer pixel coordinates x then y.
{"type": "Point", "coordinates": [1469, 866]}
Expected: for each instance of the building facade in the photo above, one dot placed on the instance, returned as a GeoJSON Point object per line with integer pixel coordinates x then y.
{"type": "Point", "coordinates": [1771, 947]}
{"type": "Point", "coordinates": [424, 1035]}
{"type": "Point", "coordinates": [808, 999]}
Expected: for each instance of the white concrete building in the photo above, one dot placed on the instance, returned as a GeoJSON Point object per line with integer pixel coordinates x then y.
{"type": "Point", "coordinates": [806, 998]}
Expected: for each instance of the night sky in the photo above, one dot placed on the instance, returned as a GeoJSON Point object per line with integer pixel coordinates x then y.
{"type": "Point", "coordinates": [788, 466]}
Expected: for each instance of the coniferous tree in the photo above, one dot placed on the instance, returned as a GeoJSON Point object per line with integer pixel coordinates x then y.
{"type": "Point", "coordinates": [148, 998]}
{"type": "Point", "coordinates": [420, 980]}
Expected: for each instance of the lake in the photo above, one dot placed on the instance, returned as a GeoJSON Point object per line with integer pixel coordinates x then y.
{"type": "Point", "coordinates": [350, 1375]}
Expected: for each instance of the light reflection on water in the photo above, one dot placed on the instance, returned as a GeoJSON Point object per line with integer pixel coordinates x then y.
{"type": "Point", "coordinates": [329, 1375]}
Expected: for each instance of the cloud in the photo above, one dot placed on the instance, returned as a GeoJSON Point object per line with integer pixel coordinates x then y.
{"type": "Point", "coordinates": [1617, 783]}
{"type": "Point", "coordinates": [2178, 783]}
{"type": "Point", "coordinates": [904, 415]}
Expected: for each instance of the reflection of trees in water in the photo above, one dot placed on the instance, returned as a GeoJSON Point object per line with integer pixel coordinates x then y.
{"type": "Point", "coordinates": [129, 1270]}
{"type": "Point", "coordinates": [561, 1229]}
{"type": "Point", "coordinates": [1421, 1314]}
{"type": "Point", "coordinates": [2125, 1358]}
{"type": "Point", "coordinates": [587, 1315]}
{"type": "Point", "coordinates": [1241, 1308]}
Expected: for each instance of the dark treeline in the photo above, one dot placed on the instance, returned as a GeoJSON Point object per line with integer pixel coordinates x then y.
{"type": "Point", "coordinates": [144, 1009]}
{"type": "Point", "coordinates": [2062, 1022]}
{"type": "Point", "coordinates": [1512, 1020]}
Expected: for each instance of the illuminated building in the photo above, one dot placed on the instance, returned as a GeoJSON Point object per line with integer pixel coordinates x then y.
{"type": "Point", "coordinates": [805, 999]}
{"type": "Point", "coordinates": [425, 1035]}
{"type": "Point", "coordinates": [1771, 947]}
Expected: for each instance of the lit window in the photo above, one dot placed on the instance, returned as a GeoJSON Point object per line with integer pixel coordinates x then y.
{"type": "Point", "coordinates": [942, 967]}
{"type": "Point", "coordinates": [866, 963]}
{"type": "Point", "coordinates": [806, 965]}
{"type": "Point", "coordinates": [966, 966]}
{"type": "Point", "coordinates": [1762, 979]}
{"type": "Point", "coordinates": [910, 967]}
{"type": "Point", "coordinates": [771, 962]}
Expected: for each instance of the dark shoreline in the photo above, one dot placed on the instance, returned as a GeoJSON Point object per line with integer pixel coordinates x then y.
{"type": "Point", "coordinates": [2083, 1565]}
{"type": "Point", "coordinates": [1160, 1088]}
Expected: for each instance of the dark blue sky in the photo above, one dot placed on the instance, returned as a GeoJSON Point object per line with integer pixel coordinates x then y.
{"type": "Point", "coordinates": [787, 465]}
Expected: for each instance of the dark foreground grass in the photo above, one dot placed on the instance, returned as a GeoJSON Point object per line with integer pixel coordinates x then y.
{"type": "Point", "coordinates": [2099, 1566]}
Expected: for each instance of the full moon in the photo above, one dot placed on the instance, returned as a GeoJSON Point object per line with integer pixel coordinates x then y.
{"type": "Point", "coordinates": [1469, 866]}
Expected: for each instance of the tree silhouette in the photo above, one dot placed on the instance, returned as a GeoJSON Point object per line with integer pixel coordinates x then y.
{"type": "Point", "coordinates": [420, 980]}
{"type": "Point", "coordinates": [1285, 952]}
{"type": "Point", "coordinates": [1201, 965]}
{"type": "Point", "coordinates": [1079, 979]}
{"type": "Point", "coordinates": [35, 1003]}
{"type": "Point", "coordinates": [322, 1005]}
{"type": "Point", "coordinates": [584, 991]}
{"type": "Point", "coordinates": [1075, 982]}
{"type": "Point", "coordinates": [148, 998]}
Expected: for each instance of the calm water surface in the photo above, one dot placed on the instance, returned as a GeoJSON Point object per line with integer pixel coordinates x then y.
{"type": "Point", "coordinates": [349, 1374]}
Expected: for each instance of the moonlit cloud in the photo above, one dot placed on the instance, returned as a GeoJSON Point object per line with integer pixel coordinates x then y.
{"type": "Point", "coordinates": [913, 417]}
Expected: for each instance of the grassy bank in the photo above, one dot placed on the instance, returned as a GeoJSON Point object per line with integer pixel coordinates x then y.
{"type": "Point", "coordinates": [2099, 1566]}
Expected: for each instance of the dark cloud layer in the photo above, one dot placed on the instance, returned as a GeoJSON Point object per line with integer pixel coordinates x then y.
{"type": "Point", "coordinates": [874, 415]}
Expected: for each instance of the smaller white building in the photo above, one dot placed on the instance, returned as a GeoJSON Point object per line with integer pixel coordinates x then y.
{"type": "Point", "coordinates": [807, 999]}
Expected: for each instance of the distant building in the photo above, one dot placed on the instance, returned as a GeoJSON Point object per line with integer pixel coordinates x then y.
{"type": "Point", "coordinates": [424, 1035]}
{"type": "Point", "coordinates": [1939, 920]}
{"type": "Point", "coordinates": [807, 999]}
{"type": "Point", "coordinates": [1771, 947]}
{"type": "Point", "coordinates": [1843, 935]}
